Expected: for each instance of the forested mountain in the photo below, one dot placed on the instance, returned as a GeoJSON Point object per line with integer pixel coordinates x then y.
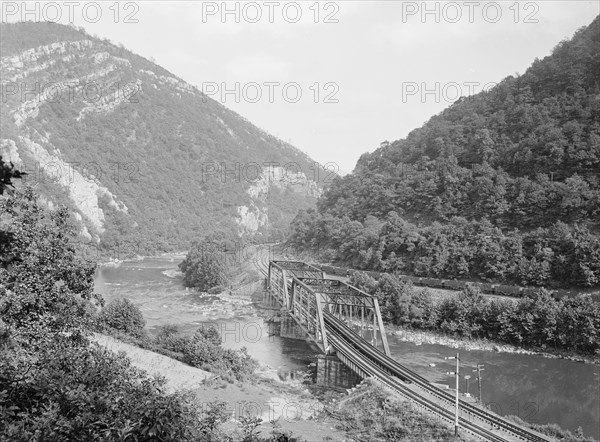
{"type": "Point", "coordinates": [502, 185]}
{"type": "Point", "coordinates": [145, 161]}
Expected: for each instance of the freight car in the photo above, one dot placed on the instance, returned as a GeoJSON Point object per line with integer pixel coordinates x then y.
{"type": "Point", "coordinates": [450, 284]}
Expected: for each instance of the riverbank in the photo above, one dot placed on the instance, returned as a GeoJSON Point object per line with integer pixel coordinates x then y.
{"type": "Point", "coordinates": [115, 262]}
{"type": "Point", "coordinates": [177, 374]}
{"type": "Point", "coordinates": [291, 404]}
{"type": "Point", "coordinates": [419, 337]}
{"type": "Point", "coordinates": [154, 285]}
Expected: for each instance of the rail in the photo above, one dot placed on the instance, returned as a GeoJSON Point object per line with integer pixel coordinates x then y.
{"type": "Point", "coordinates": [367, 361]}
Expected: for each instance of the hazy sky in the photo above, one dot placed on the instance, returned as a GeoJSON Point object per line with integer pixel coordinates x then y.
{"type": "Point", "coordinates": [376, 69]}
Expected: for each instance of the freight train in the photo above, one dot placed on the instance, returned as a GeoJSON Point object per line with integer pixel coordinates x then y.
{"type": "Point", "coordinates": [450, 284]}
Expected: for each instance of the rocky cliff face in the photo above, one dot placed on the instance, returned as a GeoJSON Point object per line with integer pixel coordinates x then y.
{"type": "Point", "coordinates": [272, 179]}
{"type": "Point", "coordinates": [132, 148]}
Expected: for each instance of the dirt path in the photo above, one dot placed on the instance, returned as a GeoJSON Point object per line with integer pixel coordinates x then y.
{"type": "Point", "coordinates": [291, 405]}
{"type": "Point", "coordinates": [179, 376]}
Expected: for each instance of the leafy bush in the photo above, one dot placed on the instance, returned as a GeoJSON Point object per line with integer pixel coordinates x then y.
{"type": "Point", "coordinates": [42, 280]}
{"type": "Point", "coordinates": [84, 392]}
{"type": "Point", "coordinates": [167, 331]}
{"type": "Point", "coordinates": [122, 314]}
{"type": "Point", "coordinates": [202, 349]}
{"type": "Point", "coordinates": [204, 267]}
{"type": "Point", "coordinates": [375, 415]}
{"type": "Point", "coordinates": [210, 334]}
{"type": "Point", "coordinates": [555, 431]}
{"type": "Point", "coordinates": [54, 383]}
{"type": "Point", "coordinates": [213, 415]}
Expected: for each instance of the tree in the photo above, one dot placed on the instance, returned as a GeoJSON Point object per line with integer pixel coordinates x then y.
{"type": "Point", "coordinates": [123, 315]}
{"type": "Point", "coordinates": [395, 296]}
{"type": "Point", "coordinates": [204, 267]}
{"type": "Point", "coordinates": [54, 383]}
{"type": "Point", "coordinates": [7, 174]}
{"type": "Point", "coordinates": [45, 280]}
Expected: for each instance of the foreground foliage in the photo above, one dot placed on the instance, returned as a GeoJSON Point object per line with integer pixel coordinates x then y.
{"type": "Point", "coordinates": [54, 383]}
{"type": "Point", "coordinates": [78, 391]}
{"type": "Point", "coordinates": [375, 415]}
{"type": "Point", "coordinates": [123, 315]}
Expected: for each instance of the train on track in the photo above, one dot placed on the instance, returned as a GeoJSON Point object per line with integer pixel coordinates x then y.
{"type": "Point", "coordinates": [450, 284]}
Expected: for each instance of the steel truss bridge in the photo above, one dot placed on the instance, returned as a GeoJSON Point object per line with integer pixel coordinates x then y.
{"type": "Point", "coordinates": [343, 320]}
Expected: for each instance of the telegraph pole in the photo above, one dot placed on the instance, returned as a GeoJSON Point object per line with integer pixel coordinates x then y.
{"type": "Point", "coordinates": [479, 369]}
{"type": "Point", "coordinates": [457, 388]}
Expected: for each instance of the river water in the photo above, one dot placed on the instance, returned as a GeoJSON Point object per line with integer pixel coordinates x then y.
{"type": "Point", "coordinates": [535, 388]}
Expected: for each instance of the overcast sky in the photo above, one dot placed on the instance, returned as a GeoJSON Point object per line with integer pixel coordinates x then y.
{"type": "Point", "coordinates": [371, 66]}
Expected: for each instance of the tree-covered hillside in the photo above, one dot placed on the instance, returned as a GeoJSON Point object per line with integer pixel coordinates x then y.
{"type": "Point", "coordinates": [146, 161]}
{"type": "Point", "coordinates": [502, 185]}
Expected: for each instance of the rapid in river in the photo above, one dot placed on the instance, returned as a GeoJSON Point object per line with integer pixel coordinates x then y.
{"type": "Point", "coordinates": [535, 388]}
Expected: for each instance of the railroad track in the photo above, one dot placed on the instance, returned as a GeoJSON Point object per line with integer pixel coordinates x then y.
{"type": "Point", "coordinates": [356, 351]}
{"type": "Point", "coordinates": [395, 375]}
{"type": "Point", "coordinates": [262, 266]}
{"type": "Point", "coordinates": [350, 354]}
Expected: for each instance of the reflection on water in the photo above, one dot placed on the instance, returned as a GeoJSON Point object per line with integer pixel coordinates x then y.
{"type": "Point", "coordinates": [536, 389]}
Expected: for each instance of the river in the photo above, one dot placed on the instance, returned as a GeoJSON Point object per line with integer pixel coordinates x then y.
{"type": "Point", "coordinates": [535, 388]}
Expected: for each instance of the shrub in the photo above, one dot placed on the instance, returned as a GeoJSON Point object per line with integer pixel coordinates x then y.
{"type": "Point", "coordinates": [210, 334]}
{"type": "Point", "coordinates": [375, 415]}
{"type": "Point", "coordinates": [216, 290]}
{"type": "Point", "coordinates": [168, 330]}
{"type": "Point", "coordinates": [200, 353]}
{"type": "Point", "coordinates": [203, 350]}
{"type": "Point", "coordinates": [213, 414]}
{"type": "Point", "coordinates": [123, 315]}
{"type": "Point", "coordinates": [554, 431]}
{"type": "Point", "coordinates": [204, 266]}
{"type": "Point", "coordinates": [84, 392]}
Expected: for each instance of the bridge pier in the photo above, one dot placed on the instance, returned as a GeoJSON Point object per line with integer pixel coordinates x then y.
{"type": "Point", "coordinates": [338, 318]}
{"type": "Point", "coordinates": [269, 300]}
{"type": "Point", "coordinates": [332, 373]}
{"type": "Point", "coordinates": [289, 329]}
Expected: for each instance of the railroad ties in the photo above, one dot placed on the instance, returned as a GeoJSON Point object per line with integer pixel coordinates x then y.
{"type": "Point", "coordinates": [308, 296]}
{"type": "Point", "coordinates": [343, 320]}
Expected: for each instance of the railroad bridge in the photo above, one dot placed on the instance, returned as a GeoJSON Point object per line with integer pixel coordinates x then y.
{"type": "Point", "coordinates": [345, 321]}
{"type": "Point", "coordinates": [308, 297]}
